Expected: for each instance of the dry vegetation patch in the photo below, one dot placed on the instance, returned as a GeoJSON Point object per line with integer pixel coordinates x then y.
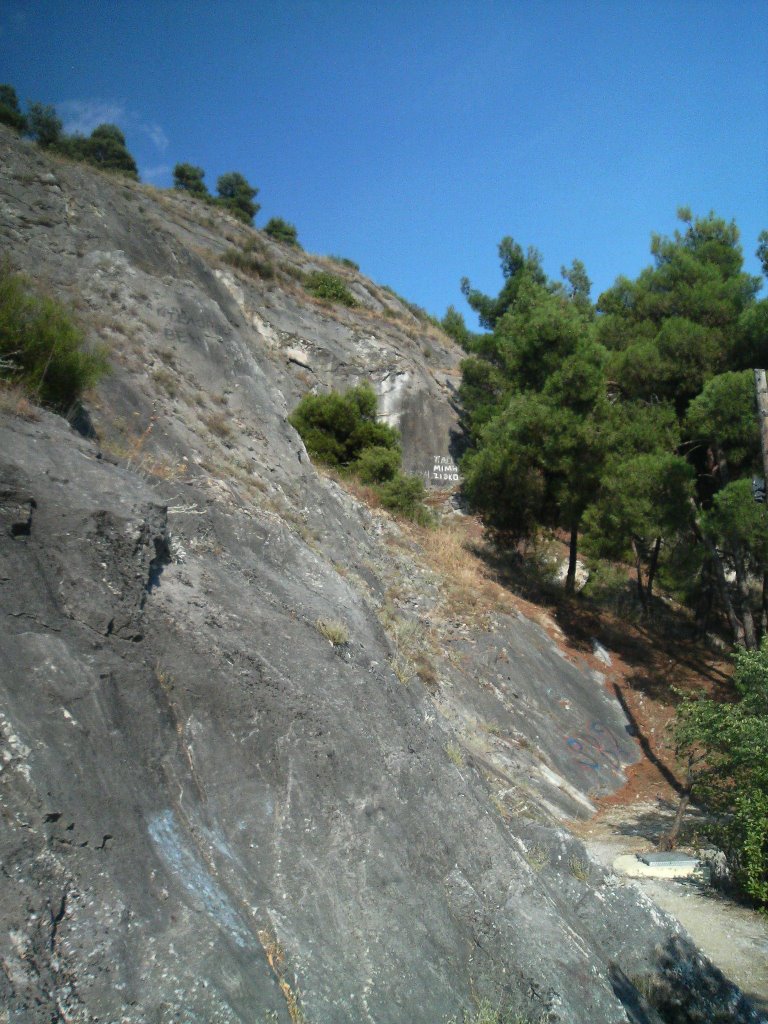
{"type": "Point", "coordinates": [17, 400]}
{"type": "Point", "coordinates": [451, 551]}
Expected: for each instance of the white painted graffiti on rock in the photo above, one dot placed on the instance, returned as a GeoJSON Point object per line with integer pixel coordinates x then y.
{"type": "Point", "coordinates": [444, 469]}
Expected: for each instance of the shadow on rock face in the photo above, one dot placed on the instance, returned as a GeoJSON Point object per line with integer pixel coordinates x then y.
{"type": "Point", "coordinates": [80, 421]}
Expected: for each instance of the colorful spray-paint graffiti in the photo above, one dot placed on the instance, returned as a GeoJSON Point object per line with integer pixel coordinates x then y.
{"type": "Point", "coordinates": [596, 748]}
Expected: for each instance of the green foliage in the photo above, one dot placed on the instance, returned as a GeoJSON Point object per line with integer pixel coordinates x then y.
{"type": "Point", "coordinates": [486, 1013]}
{"type": "Point", "coordinates": [534, 395]}
{"type": "Point", "coordinates": [249, 263]}
{"type": "Point", "coordinates": [282, 231]}
{"type": "Point", "coordinates": [723, 416]}
{"type": "Point", "coordinates": [341, 430]}
{"type": "Point", "coordinates": [735, 516]}
{"type": "Point", "coordinates": [454, 326]}
{"type": "Point", "coordinates": [608, 587]}
{"type": "Point", "coordinates": [44, 125]}
{"type": "Point", "coordinates": [677, 325]}
{"type": "Point", "coordinates": [329, 288]}
{"type": "Point", "coordinates": [337, 427]}
{"type": "Point", "coordinates": [377, 464]}
{"type": "Point", "coordinates": [729, 743]}
{"type": "Point", "coordinates": [106, 149]}
{"type": "Point", "coordinates": [189, 178]}
{"type": "Point", "coordinates": [750, 347]}
{"type": "Point", "coordinates": [404, 496]}
{"type": "Point", "coordinates": [762, 251]}
{"type": "Point", "coordinates": [10, 112]}
{"type": "Point", "coordinates": [519, 270]}
{"type": "Point", "coordinates": [643, 497]}
{"type": "Point", "coordinates": [237, 195]}
{"type": "Point", "coordinates": [345, 262]}
{"type": "Point", "coordinates": [41, 346]}
{"type": "Point", "coordinates": [334, 631]}
{"type": "Point", "coordinates": [637, 426]}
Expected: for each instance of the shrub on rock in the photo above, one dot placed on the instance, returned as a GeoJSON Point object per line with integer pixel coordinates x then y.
{"type": "Point", "coordinates": [42, 348]}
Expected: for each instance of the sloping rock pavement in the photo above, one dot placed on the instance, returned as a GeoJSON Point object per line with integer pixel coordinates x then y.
{"type": "Point", "coordinates": [210, 812]}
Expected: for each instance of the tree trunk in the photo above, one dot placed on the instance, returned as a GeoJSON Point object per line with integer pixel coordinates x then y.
{"type": "Point", "coordinates": [722, 584]}
{"type": "Point", "coordinates": [668, 841]}
{"type": "Point", "coordinates": [653, 566]}
{"type": "Point", "coordinates": [639, 569]}
{"type": "Point", "coordinates": [742, 584]}
{"type": "Point", "coordinates": [570, 579]}
{"type": "Point", "coordinates": [737, 627]}
{"type": "Point", "coordinates": [739, 565]}
{"type": "Point", "coordinates": [761, 388]}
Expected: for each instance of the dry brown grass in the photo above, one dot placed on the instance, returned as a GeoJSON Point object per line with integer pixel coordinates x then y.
{"type": "Point", "coordinates": [167, 381]}
{"type": "Point", "coordinates": [18, 401]}
{"type": "Point", "coordinates": [218, 424]}
{"type": "Point", "coordinates": [470, 592]}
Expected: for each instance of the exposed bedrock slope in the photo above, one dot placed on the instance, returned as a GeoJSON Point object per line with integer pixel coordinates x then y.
{"type": "Point", "coordinates": [208, 808]}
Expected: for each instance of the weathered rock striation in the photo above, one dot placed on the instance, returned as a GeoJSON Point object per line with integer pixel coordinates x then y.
{"type": "Point", "coordinates": [210, 813]}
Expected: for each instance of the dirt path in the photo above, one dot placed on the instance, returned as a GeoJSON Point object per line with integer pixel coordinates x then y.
{"type": "Point", "coordinates": [733, 937]}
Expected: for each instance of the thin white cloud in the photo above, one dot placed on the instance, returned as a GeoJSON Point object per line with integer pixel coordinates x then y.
{"type": "Point", "coordinates": [157, 135]}
{"type": "Point", "coordinates": [82, 116]}
{"type": "Point", "coordinates": [155, 173]}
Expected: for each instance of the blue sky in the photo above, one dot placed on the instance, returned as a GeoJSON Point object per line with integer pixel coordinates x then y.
{"type": "Point", "coordinates": [411, 137]}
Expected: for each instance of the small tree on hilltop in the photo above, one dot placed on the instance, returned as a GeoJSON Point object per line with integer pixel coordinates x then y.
{"type": "Point", "coordinates": [44, 125]}
{"type": "Point", "coordinates": [237, 196]}
{"type": "Point", "coordinates": [106, 148]}
{"type": "Point", "coordinates": [10, 112]}
{"type": "Point", "coordinates": [281, 231]}
{"type": "Point", "coordinates": [188, 178]}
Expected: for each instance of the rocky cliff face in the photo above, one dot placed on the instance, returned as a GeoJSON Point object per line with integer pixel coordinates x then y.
{"type": "Point", "coordinates": [211, 812]}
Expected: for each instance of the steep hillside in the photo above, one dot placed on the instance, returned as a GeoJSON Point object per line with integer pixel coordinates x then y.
{"type": "Point", "coordinates": [258, 760]}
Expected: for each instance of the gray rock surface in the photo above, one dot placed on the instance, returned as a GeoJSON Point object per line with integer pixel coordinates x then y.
{"type": "Point", "coordinates": [211, 813]}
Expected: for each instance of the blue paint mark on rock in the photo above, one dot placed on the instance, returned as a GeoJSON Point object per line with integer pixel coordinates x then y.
{"type": "Point", "coordinates": [185, 864]}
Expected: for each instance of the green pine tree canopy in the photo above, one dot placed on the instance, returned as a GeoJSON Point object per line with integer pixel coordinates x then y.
{"type": "Point", "coordinates": [630, 422]}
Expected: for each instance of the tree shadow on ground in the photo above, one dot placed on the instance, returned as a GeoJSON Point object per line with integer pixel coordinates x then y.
{"type": "Point", "coordinates": [654, 823]}
{"type": "Point", "coordinates": [661, 645]}
{"type": "Point", "coordinates": [684, 988]}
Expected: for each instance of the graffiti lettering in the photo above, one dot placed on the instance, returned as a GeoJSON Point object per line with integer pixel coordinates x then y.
{"type": "Point", "coordinates": [595, 748]}
{"type": "Point", "coordinates": [444, 469]}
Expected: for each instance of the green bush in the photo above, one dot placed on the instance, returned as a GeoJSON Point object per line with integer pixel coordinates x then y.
{"type": "Point", "coordinates": [328, 287]}
{"type": "Point", "coordinates": [342, 430]}
{"type": "Point", "coordinates": [237, 196]}
{"type": "Point", "coordinates": [337, 427]}
{"type": "Point", "coordinates": [727, 748]}
{"type": "Point", "coordinates": [377, 465]}
{"type": "Point", "coordinates": [345, 262]}
{"type": "Point", "coordinates": [282, 231]}
{"type": "Point", "coordinates": [10, 112]}
{"type": "Point", "coordinates": [248, 263]}
{"type": "Point", "coordinates": [189, 178]}
{"type": "Point", "coordinates": [42, 348]}
{"type": "Point", "coordinates": [105, 148]}
{"type": "Point", "coordinates": [404, 496]}
{"type": "Point", "coordinates": [44, 125]}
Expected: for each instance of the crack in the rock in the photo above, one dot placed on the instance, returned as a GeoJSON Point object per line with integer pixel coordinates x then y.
{"type": "Point", "coordinates": [57, 918]}
{"type": "Point", "coordinates": [34, 618]}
